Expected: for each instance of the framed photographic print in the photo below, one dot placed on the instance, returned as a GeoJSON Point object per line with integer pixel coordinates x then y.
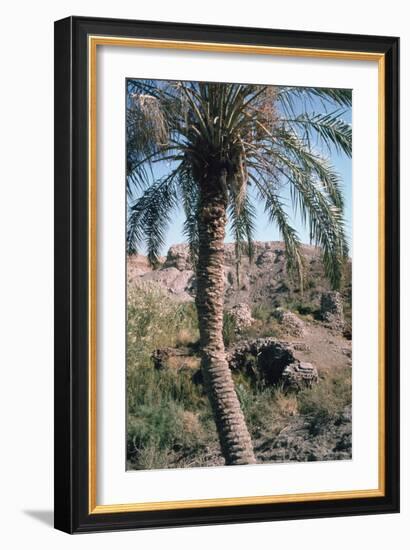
{"type": "Point", "coordinates": [226, 274]}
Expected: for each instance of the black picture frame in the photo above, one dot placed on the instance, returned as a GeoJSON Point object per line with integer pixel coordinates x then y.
{"type": "Point", "coordinates": [71, 491]}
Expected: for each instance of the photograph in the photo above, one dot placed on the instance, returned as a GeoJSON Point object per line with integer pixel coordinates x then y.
{"type": "Point", "coordinates": [226, 274]}
{"type": "Point", "coordinates": [203, 293]}
{"type": "Point", "coordinates": [239, 274]}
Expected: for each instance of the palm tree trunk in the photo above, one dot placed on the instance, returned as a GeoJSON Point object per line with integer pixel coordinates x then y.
{"type": "Point", "coordinates": [233, 433]}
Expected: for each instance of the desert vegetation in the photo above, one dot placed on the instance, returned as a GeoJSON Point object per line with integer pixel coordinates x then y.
{"type": "Point", "coordinates": [219, 142]}
{"type": "Point", "coordinates": [170, 421]}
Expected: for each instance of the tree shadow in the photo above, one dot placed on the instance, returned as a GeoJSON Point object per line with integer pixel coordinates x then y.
{"type": "Point", "coordinates": [44, 516]}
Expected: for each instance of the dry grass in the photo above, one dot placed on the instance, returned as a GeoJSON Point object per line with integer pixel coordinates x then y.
{"type": "Point", "coordinates": [170, 424]}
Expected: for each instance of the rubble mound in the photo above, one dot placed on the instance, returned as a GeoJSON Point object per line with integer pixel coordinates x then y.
{"type": "Point", "coordinates": [242, 316]}
{"type": "Point", "coordinates": [331, 309]}
{"type": "Point", "coordinates": [299, 375]}
{"type": "Point", "coordinates": [291, 323]}
{"type": "Point", "coordinates": [273, 362]}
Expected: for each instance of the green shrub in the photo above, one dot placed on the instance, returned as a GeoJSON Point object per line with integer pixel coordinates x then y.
{"type": "Point", "coordinates": [261, 312]}
{"type": "Point", "coordinates": [267, 410]}
{"type": "Point", "coordinates": [149, 386]}
{"type": "Point", "coordinates": [303, 307]}
{"type": "Point", "coordinates": [164, 409]}
{"type": "Point", "coordinates": [159, 435]}
{"type": "Point", "coordinates": [155, 320]}
{"type": "Point", "coordinates": [310, 283]}
{"type": "Point", "coordinates": [159, 402]}
{"type": "Point", "coordinates": [260, 329]}
{"type": "Point", "coordinates": [229, 329]}
{"type": "Point", "coordinates": [326, 401]}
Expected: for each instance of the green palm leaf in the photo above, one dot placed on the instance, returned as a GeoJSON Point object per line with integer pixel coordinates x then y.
{"type": "Point", "coordinates": [150, 216]}
{"type": "Point", "coordinates": [260, 136]}
{"type": "Point", "coordinates": [332, 129]}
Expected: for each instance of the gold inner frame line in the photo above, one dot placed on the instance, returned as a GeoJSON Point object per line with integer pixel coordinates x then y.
{"type": "Point", "coordinates": [93, 42]}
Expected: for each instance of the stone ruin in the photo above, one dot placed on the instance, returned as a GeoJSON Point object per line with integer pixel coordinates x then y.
{"type": "Point", "coordinates": [262, 360]}
{"type": "Point", "coordinates": [331, 309]}
{"type": "Point", "coordinates": [300, 374]}
{"type": "Point", "coordinates": [242, 316]}
{"type": "Point", "coordinates": [273, 362]}
{"type": "Point", "coordinates": [291, 323]}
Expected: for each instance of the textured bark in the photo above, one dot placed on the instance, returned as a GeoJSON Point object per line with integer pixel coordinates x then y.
{"type": "Point", "coordinates": [233, 434]}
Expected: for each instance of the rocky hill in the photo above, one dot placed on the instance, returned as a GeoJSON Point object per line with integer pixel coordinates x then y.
{"type": "Point", "coordinates": [264, 280]}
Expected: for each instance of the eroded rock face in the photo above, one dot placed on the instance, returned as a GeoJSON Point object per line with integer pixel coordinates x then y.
{"type": "Point", "coordinates": [242, 316]}
{"type": "Point", "coordinates": [263, 281]}
{"type": "Point", "coordinates": [331, 309]}
{"type": "Point", "coordinates": [178, 256]}
{"type": "Point", "coordinates": [179, 284]}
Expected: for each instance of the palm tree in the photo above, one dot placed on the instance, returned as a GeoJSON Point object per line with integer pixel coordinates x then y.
{"type": "Point", "coordinates": [224, 145]}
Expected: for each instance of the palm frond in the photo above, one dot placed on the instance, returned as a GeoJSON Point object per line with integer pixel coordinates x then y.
{"type": "Point", "coordinates": [242, 224]}
{"type": "Point", "coordinates": [277, 215]}
{"type": "Point", "coordinates": [152, 113]}
{"type": "Point", "coordinates": [150, 216]}
{"type": "Point", "coordinates": [329, 127]}
{"type": "Point", "coordinates": [292, 147]}
{"type": "Point", "coordinates": [190, 196]}
{"type": "Point", "coordinates": [293, 98]}
{"type": "Point", "coordinates": [325, 220]}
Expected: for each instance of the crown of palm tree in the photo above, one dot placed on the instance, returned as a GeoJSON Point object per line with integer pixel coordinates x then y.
{"type": "Point", "coordinates": [257, 138]}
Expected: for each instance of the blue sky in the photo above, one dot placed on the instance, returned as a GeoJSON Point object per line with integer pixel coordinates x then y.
{"type": "Point", "coordinates": [266, 231]}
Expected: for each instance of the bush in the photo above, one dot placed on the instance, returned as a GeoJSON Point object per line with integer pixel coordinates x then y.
{"type": "Point", "coordinates": [260, 329]}
{"type": "Point", "coordinates": [157, 436]}
{"type": "Point", "coordinates": [155, 320]}
{"type": "Point", "coordinates": [159, 402]}
{"type": "Point", "coordinates": [303, 307]}
{"type": "Point", "coordinates": [229, 329]}
{"type": "Point", "coordinates": [261, 312]}
{"type": "Point", "coordinates": [326, 401]}
{"type": "Point", "coordinates": [310, 283]}
{"type": "Point", "coordinates": [307, 309]}
{"type": "Point", "coordinates": [164, 409]}
{"type": "Point", "coordinates": [267, 410]}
